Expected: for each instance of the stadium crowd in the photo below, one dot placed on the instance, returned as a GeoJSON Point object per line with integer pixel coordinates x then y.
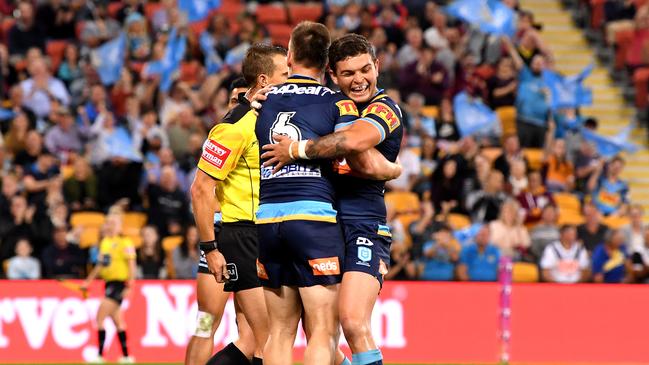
{"type": "Point", "coordinates": [530, 189]}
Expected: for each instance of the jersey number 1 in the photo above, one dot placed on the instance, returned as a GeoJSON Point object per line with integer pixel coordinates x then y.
{"type": "Point", "coordinates": [283, 126]}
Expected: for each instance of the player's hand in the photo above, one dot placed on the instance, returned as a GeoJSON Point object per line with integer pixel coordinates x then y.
{"type": "Point", "coordinates": [277, 154]}
{"type": "Point", "coordinates": [217, 266]}
{"type": "Point", "coordinates": [259, 97]}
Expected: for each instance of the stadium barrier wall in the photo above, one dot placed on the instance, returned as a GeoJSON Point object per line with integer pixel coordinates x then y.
{"type": "Point", "coordinates": [413, 322]}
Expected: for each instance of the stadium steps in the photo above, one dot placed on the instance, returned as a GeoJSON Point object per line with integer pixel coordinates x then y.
{"type": "Point", "coordinates": [572, 54]}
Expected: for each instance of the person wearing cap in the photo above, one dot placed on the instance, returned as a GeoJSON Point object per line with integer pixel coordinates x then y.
{"type": "Point", "coordinates": [65, 137]}
{"type": "Point", "coordinates": [440, 255]}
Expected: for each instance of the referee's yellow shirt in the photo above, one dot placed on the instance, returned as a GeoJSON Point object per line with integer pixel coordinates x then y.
{"type": "Point", "coordinates": [115, 252]}
{"type": "Point", "coordinates": [231, 155]}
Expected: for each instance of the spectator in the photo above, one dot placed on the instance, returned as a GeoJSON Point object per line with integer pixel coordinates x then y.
{"type": "Point", "coordinates": [517, 182]}
{"type": "Point", "coordinates": [41, 177]}
{"type": "Point", "coordinates": [169, 207]}
{"type": "Point", "coordinates": [16, 104]}
{"type": "Point", "coordinates": [558, 171]}
{"type": "Point", "coordinates": [411, 51]}
{"type": "Point", "coordinates": [611, 263]}
{"type": "Point", "coordinates": [23, 266]}
{"type": "Point", "coordinates": [33, 148]}
{"type": "Point", "coordinates": [484, 205]}
{"type": "Point", "coordinates": [166, 158]}
{"type": "Point", "coordinates": [503, 84]}
{"type": "Point", "coordinates": [640, 260]}
{"type": "Point", "coordinates": [16, 139]}
{"type": "Point", "coordinates": [137, 37]}
{"type": "Point", "coordinates": [609, 191]}
{"type": "Point", "coordinates": [149, 256]}
{"type": "Point", "coordinates": [586, 163]}
{"type": "Point", "coordinates": [146, 130]}
{"type": "Point", "coordinates": [61, 259]}
{"type": "Point", "coordinates": [219, 35]}
{"type": "Point", "coordinates": [100, 29]}
{"type": "Point", "coordinates": [425, 76]}
{"type": "Point", "coordinates": [446, 188]}
{"type": "Point", "coordinates": [185, 256]}
{"type": "Point", "coordinates": [511, 152]}
{"type": "Point", "coordinates": [411, 164]}
{"type": "Point", "coordinates": [440, 256]}
{"type": "Point", "coordinates": [41, 89]}
{"type": "Point", "coordinates": [532, 104]}
{"type": "Point", "coordinates": [420, 126]}
{"type": "Point", "coordinates": [10, 189]}
{"type": "Point", "coordinates": [180, 129]}
{"type": "Point", "coordinates": [634, 232]}
{"type": "Point", "coordinates": [65, 139]}
{"type": "Point", "coordinates": [20, 225]}
{"type": "Point", "coordinates": [545, 232]}
{"type": "Point", "coordinates": [56, 19]}
{"type": "Point", "coordinates": [508, 232]}
{"type": "Point", "coordinates": [479, 260]}
{"type": "Point", "coordinates": [70, 71]}
{"type": "Point", "coordinates": [25, 33]}
{"type": "Point", "coordinates": [592, 232]}
{"type": "Point", "coordinates": [401, 265]}
{"type": "Point", "coordinates": [422, 229]}
{"type": "Point", "coordinates": [428, 163]}
{"type": "Point", "coordinates": [445, 126]}
{"type": "Point", "coordinates": [80, 189]}
{"type": "Point", "coordinates": [566, 260]}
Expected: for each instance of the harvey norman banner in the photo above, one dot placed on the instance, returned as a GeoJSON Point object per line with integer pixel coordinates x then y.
{"type": "Point", "coordinates": [49, 321]}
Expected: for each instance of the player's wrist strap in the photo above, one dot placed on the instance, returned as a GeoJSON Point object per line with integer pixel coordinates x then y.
{"type": "Point", "coordinates": [301, 149]}
{"type": "Point", "coordinates": [290, 150]}
{"type": "Point", "coordinates": [208, 246]}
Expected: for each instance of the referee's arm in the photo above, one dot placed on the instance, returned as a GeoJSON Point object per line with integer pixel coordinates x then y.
{"type": "Point", "coordinates": [204, 204]}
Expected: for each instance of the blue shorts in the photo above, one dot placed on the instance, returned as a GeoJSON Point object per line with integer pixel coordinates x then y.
{"type": "Point", "coordinates": [300, 253]}
{"type": "Point", "coordinates": [367, 247]}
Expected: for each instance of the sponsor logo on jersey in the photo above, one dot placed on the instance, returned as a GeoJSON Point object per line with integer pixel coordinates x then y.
{"type": "Point", "coordinates": [385, 113]}
{"type": "Point", "coordinates": [215, 153]}
{"type": "Point", "coordinates": [261, 271]}
{"type": "Point", "coordinates": [325, 266]}
{"type": "Point", "coordinates": [347, 107]}
{"type": "Point", "coordinates": [301, 90]}
{"type": "Point", "coordinates": [293, 170]}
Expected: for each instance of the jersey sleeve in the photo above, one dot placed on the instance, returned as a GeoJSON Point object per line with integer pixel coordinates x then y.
{"type": "Point", "coordinates": [345, 112]}
{"type": "Point", "coordinates": [129, 249]}
{"type": "Point", "coordinates": [383, 116]}
{"type": "Point", "coordinates": [222, 150]}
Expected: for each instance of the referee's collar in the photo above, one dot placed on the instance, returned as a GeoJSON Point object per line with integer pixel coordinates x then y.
{"type": "Point", "coordinates": [241, 98]}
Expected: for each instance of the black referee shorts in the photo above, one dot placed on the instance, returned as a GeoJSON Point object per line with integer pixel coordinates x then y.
{"type": "Point", "coordinates": [239, 245]}
{"type": "Point", "coordinates": [114, 290]}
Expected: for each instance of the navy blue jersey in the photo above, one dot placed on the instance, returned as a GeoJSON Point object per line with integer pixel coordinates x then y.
{"type": "Point", "coordinates": [363, 198]}
{"type": "Point", "coordinates": [301, 109]}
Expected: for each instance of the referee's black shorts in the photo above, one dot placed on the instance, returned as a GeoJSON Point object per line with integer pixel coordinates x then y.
{"type": "Point", "coordinates": [115, 290]}
{"type": "Point", "coordinates": [239, 245]}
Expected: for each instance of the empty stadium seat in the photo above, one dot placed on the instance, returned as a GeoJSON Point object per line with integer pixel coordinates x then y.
{"type": "Point", "coordinates": [403, 201]}
{"type": "Point", "coordinates": [134, 219]}
{"type": "Point", "coordinates": [640, 83]}
{"type": "Point", "coordinates": [113, 8]}
{"type": "Point", "coordinates": [570, 217]}
{"type": "Point", "coordinates": [623, 39]}
{"type": "Point", "coordinates": [231, 10]}
{"type": "Point", "coordinates": [458, 221]}
{"type": "Point", "coordinates": [534, 157]}
{"type": "Point", "coordinates": [597, 17]}
{"type": "Point", "coordinates": [507, 116]}
{"type": "Point", "coordinates": [430, 111]}
{"type": "Point", "coordinates": [567, 201]}
{"type": "Point", "coordinates": [616, 222]}
{"type": "Point", "coordinates": [89, 237]}
{"type": "Point", "coordinates": [87, 219]}
{"type": "Point", "coordinates": [56, 50]}
{"type": "Point", "coordinates": [302, 12]}
{"type": "Point", "coordinates": [406, 219]}
{"type": "Point", "coordinates": [271, 14]}
{"type": "Point", "coordinates": [524, 272]}
{"type": "Point", "coordinates": [150, 8]}
{"type": "Point", "coordinates": [280, 34]}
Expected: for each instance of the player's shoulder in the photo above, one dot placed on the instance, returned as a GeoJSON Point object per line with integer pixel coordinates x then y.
{"type": "Point", "coordinates": [383, 100]}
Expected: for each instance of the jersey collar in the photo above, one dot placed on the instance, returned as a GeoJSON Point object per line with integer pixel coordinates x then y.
{"type": "Point", "coordinates": [302, 79]}
{"type": "Point", "coordinates": [379, 94]}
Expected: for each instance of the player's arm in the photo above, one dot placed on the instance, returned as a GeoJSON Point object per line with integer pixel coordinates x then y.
{"type": "Point", "coordinates": [93, 273]}
{"type": "Point", "coordinates": [204, 204]}
{"type": "Point", "coordinates": [371, 164]}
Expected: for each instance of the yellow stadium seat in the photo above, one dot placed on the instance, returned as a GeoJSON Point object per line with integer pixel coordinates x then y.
{"type": "Point", "coordinates": [89, 236]}
{"type": "Point", "coordinates": [403, 201]}
{"type": "Point", "coordinates": [491, 153]}
{"type": "Point", "coordinates": [67, 171]}
{"type": "Point", "coordinates": [458, 221]}
{"type": "Point", "coordinates": [5, 266]}
{"type": "Point", "coordinates": [171, 242]}
{"type": "Point", "coordinates": [534, 157]}
{"type": "Point", "coordinates": [134, 219]}
{"type": "Point", "coordinates": [406, 220]}
{"type": "Point", "coordinates": [524, 272]}
{"type": "Point", "coordinates": [616, 222]}
{"type": "Point", "coordinates": [430, 111]}
{"type": "Point", "coordinates": [570, 217]}
{"type": "Point", "coordinates": [136, 238]}
{"type": "Point", "coordinates": [507, 116]}
{"type": "Point", "coordinates": [567, 202]}
{"type": "Point", "coordinates": [87, 219]}
{"type": "Point", "coordinates": [415, 150]}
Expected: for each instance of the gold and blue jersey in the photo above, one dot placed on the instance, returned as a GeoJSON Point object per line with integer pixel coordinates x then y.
{"type": "Point", "coordinates": [301, 109]}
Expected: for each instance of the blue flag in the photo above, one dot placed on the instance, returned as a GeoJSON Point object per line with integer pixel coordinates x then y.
{"type": "Point", "coordinates": [236, 54]}
{"type": "Point", "coordinates": [490, 16]}
{"type": "Point", "coordinates": [568, 92]}
{"type": "Point", "coordinates": [108, 59]}
{"type": "Point", "coordinates": [213, 62]}
{"type": "Point", "coordinates": [170, 62]}
{"type": "Point", "coordinates": [466, 235]}
{"type": "Point", "coordinates": [471, 115]}
{"type": "Point", "coordinates": [198, 10]}
{"type": "Point", "coordinates": [610, 146]}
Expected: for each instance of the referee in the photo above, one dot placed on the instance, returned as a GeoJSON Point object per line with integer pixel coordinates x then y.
{"type": "Point", "coordinates": [228, 175]}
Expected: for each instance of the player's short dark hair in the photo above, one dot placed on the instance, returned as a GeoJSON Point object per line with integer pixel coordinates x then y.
{"type": "Point", "coordinates": [259, 60]}
{"type": "Point", "coordinates": [237, 83]}
{"type": "Point", "coordinates": [349, 45]}
{"type": "Point", "coordinates": [310, 45]}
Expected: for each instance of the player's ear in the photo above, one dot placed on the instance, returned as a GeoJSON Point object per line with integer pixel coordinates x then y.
{"type": "Point", "coordinates": [376, 65]}
{"type": "Point", "coordinates": [333, 75]}
{"type": "Point", "coordinates": [262, 80]}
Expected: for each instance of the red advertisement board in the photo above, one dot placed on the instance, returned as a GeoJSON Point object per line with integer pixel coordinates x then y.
{"type": "Point", "coordinates": [47, 321]}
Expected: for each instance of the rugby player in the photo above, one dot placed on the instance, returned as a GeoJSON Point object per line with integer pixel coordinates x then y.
{"type": "Point", "coordinates": [228, 175]}
{"type": "Point", "coordinates": [116, 265]}
{"type": "Point", "coordinates": [360, 203]}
